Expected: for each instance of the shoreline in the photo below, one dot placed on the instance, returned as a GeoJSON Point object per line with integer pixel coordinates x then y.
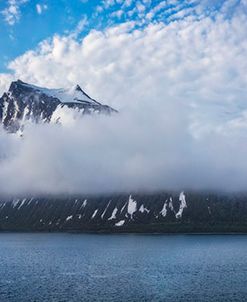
{"type": "Point", "coordinates": [124, 233]}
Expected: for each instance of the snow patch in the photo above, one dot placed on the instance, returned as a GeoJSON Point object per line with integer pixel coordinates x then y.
{"type": "Point", "coordinates": [71, 95]}
{"type": "Point", "coordinates": [163, 212]}
{"type": "Point", "coordinates": [30, 201]}
{"type": "Point", "coordinates": [120, 223]}
{"type": "Point", "coordinates": [3, 205]}
{"type": "Point", "coordinates": [113, 215]}
{"type": "Point", "coordinates": [22, 203]}
{"type": "Point", "coordinates": [83, 204]}
{"type": "Point", "coordinates": [94, 213]}
{"type": "Point", "coordinates": [182, 205]}
{"type": "Point", "coordinates": [132, 206]}
{"type": "Point", "coordinates": [170, 205]}
{"type": "Point", "coordinates": [69, 218]}
{"type": "Point", "coordinates": [15, 202]}
{"type": "Point", "coordinates": [142, 209]}
{"type": "Point", "coordinates": [103, 214]}
{"type": "Point", "coordinates": [123, 208]}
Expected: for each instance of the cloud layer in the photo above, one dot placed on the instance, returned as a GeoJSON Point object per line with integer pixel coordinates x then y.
{"type": "Point", "coordinates": [126, 152]}
{"type": "Point", "coordinates": [12, 12]}
{"type": "Point", "coordinates": [181, 91]}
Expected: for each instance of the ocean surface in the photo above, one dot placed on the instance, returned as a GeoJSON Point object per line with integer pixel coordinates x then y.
{"type": "Point", "coordinates": [78, 267]}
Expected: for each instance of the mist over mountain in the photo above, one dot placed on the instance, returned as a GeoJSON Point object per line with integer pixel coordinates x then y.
{"type": "Point", "coordinates": [68, 148]}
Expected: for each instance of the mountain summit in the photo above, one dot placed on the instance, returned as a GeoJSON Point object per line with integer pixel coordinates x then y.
{"type": "Point", "coordinates": [23, 102]}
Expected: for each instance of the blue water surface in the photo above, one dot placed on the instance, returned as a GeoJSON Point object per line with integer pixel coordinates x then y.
{"type": "Point", "coordinates": [79, 267]}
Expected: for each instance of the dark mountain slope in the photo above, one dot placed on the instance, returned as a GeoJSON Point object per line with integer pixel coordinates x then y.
{"type": "Point", "coordinates": [163, 212]}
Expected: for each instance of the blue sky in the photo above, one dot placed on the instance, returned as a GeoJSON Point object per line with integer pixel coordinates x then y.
{"type": "Point", "coordinates": [31, 27]}
{"type": "Point", "coordinates": [24, 23]}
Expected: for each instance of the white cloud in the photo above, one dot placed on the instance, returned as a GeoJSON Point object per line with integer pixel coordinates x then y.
{"type": "Point", "coordinates": [181, 91]}
{"type": "Point", "coordinates": [80, 27]}
{"type": "Point", "coordinates": [158, 7]}
{"type": "Point", "coordinates": [128, 3]}
{"type": "Point", "coordinates": [117, 13]}
{"type": "Point", "coordinates": [40, 8]}
{"type": "Point", "coordinates": [108, 3]}
{"type": "Point", "coordinates": [143, 150]}
{"type": "Point", "coordinates": [193, 61]}
{"type": "Point", "coordinates": [5, 80]}
{"type": "Point", "coordinates": [143, 11]}
{"type": "Point", "coordinates": [12, 12]}
{"type": "Point", "coordinates": [140, 7]}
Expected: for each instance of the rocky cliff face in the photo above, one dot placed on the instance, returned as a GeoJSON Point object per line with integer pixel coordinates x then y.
{"type": "Point", "coordinates": [24, 102]}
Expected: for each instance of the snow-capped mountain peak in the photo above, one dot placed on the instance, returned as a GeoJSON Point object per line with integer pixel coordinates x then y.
{"type": "Point", "coordinates": [25, 101]}
{"type": "Point", "coordinates": [69, 95]}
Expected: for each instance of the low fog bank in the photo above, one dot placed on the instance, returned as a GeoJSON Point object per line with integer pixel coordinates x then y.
{"type": "Point", "coordinates": [139, 150]}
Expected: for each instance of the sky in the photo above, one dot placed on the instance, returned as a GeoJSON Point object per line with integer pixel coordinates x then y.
{"type": "Point", "coordinates": [175, 70]}
{"type": "Point", "coordinates": [25, 23]}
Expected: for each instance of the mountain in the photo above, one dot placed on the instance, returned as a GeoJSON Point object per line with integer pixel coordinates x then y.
{"type": "Point", "coordinates": [25, 102]}
{"type": "Point", "coordinates": [163, 212]}
{"type": "Point", "coordinates": [155, 212]}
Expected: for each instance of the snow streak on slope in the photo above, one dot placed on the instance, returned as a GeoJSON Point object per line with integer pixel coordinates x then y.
{"type": "Point", "coordinates": [113, 215]}
{"type": "Point", "coordinates": [143, 209]}
{"type": "Point", "coordinates": [132, 206]}
{"type": "Point", "coordinates": [163, 212]}
{"type": "Point", "coordinates": [182, 206]}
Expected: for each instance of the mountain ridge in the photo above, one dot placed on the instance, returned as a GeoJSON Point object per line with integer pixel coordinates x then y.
{"type": "Point", "coordinates": [26, 102]}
